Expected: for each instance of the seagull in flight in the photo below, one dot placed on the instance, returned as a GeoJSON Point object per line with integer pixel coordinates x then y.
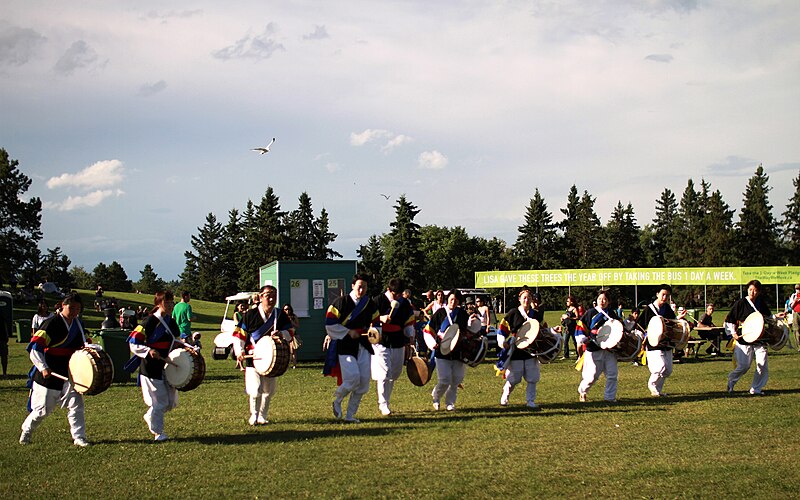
{"type": "Point", "coordinates": [265, 149]}
{"type": "Point", "coordinates": [384, 195]}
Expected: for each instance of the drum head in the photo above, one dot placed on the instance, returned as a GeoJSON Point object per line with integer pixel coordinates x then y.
{"type": "Point", "coordinates": [752, 327]}
{"type": "Point", "coordinates": [264, 355]}
{"type": "Point", "coordinates": [527, 333]}
{"type": "Point", "coordinates": [417, 371]}
{"type": "Point", "coordinates": [82, 370]}
{"type": "Point", "coordinates": [179, 372]}
{"type": "Point", "coordinates": [223, 340]}
{"type": "Point", "coordinates": [610, 334]}
{"type": "Point", "coordinates": [655, 330]}
{"type": "Point", "coordinates": [449, 339]}
{"type": "Point", "coordinates": [374, 335]}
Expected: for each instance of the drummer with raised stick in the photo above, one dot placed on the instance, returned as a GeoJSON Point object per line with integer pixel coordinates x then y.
{"type": "Point", "coordinates": [150, 345]}
{"type": "Point", "coordinates": [264, 323]}
{"type": "Point", "coordinates": [50, 349]}
{"type": "Point", "coordinates": [397, 321]}
{"type": "Point", "coordinates": [441, 336]}
{"type": "Point", "coordinates": [521, 363]}
{"type": "Point", "coordinates": [596, 359]}
{"type": "Point", "coordinates": [750, 309]}
{"type": "Point", "coordinates": [658, 348]}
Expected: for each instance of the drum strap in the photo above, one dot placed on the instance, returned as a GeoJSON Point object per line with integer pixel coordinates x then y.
{"type": "Point", "coordinates": [362, 303]}
{"type": "Point", "coordinates": [164, 323]}
{"type": "Point", "coordinates": [752, 305]}
{"type": "Point", "coordinates": [446, 324]}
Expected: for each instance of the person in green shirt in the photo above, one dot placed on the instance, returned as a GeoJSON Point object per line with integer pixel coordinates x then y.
{"type": "Point", "coordinates": [182, 314]}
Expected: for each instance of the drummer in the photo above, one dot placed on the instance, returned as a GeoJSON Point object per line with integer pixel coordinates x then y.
{"type": "Point", "coordinates": [597, 360]}
{"type": "Point", "coordinates": [743, 351]}
{"type": "Point", "coordinates": [397, 331]}
{"type": "Point", "coordinates": [263, 320]}
{"type": "Point", "coordinates": [150, 344]}
{"type": "Point", "coordinates": [521, 364]}
{"type": "Point", "coordinates": [449, 367]}
{"type": "Point", "coordinates": [346, 322]}
{"type": "Point", "coordinates": [50, 350]}
{"type": "Point", "coordinates": [659, 358]}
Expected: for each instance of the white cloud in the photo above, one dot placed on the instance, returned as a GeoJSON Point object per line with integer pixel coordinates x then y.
{"type": "Point", "coordinates": [88, 200]}
{"type": "Point", "coordinates": [18, 45]}
{"type": "Point", "coordinates": [319, 33]}
{"type": "Point", "coordinates": [367, 136]}
{"type": "Point", "coordinates": [104, 173]}
{"type": "Point", "coordinates": [79, 55]}
{"type": "Point", "coordinates": [395, 142]}
{"type": "Point", "coordinates": [433, 160]}
{"type": "Point", "coordinates": [261, 46]}
{"type": "Point", "coordinates": [149, 89]}
{"type": "Point", "coordinates": [332, 167]}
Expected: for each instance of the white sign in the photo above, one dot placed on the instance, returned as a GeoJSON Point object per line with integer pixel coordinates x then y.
{"type": "Point", "coordinates": [319, 290]}
{"type": "Point", "coordinates": [317, 303]}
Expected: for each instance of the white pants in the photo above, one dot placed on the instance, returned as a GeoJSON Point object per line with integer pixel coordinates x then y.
{"type": "Point", "coordinates": [744, 355]}
{"type": "Point", "coordinates": [355, 379]}
{"type": "Point", "coordinates": [44, 401]}
{"type": "Point", "coordinates": [387, 366]}
{"type": "Point", "coordinates": [660, 365]}
{"type": "Point", "coordinates": [449, 374]}
{"type": "Point", "coordinates": [595, 364]}
{"type": "Point", "coordinates": [161, 398]}
{"type": "Point", "coordinates": [256, 385]}
{"type": "Point", "coordinates": [517, 370]}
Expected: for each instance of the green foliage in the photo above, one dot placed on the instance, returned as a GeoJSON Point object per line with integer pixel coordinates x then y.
{"type": "Point", "coordinates": [150, 282]}
{"type": "Point", "coordinates": [756, 231]}
{"type": "Point", "coordinates": [55, 266]}
{"type": "Point", "coordinates": [112, 277]}
{"type": "Point", "coordinates": [663, 229]}
{"type": "Point", "coordinates": [82, 278]}
{"type": "Point", "coordinates": [537, 241]}
{"type": "Point", "coordinates": [622, 233]}
{"type": "Point", "coordinates": [371, 263]}
{"type": "Point", "coordinates": [403, 257]}
{"type": "Point", "coordinates": [203, 272]}
{"type": "Point", "coordinates": [20, 230]}
{"type": "Point", "coordinates": [791, 226]}
{"type": "Point", "coordinates": [323, 237]}
{"type": "Point", "coordinates": [301, 230]}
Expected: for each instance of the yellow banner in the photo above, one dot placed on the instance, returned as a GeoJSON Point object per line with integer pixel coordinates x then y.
{"type": "Point", "coordinates": [638, 276]}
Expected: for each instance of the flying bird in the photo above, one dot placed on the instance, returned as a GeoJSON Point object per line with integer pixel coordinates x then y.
{"type": "Point", "coordinates": [384, 195]}
{"type": "Point", "coordinates": [265, 149]}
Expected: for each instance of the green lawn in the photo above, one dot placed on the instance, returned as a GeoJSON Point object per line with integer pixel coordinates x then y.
{"type": "Point", "coordinates": [698, 442]}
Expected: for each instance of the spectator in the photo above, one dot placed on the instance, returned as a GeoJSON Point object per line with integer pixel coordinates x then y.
{"type": "Point", "coordinates": [183, 316]}
{"type": "Point", "coordinates": [4, 334]}
{"type": "Point", "coordinates": [435, 305]}
{"type": "Point", "coordinates": [42, 314]}
{"type": "Point", "coordinates": [794, 309]}
{"type": "Point", "coordinates": [295, 343]}
{"type": "Point", "coordinates": [569, 321]}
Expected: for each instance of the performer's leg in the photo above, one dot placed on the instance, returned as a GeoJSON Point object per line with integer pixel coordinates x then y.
{"type": "Point", "coordinates": [458, 370]}
{"type": "Point", "coordinates": [514, 374]}
{"type": "Point", "coordinates": [73, 402]}
{"type": "Point", "coordinates": [532, 375]}
{"type": "Point", "coordinates": [444, 378]}
{"type": "Point", "coordinates": [762, 371]}
{"type": "Point", "coordinates": [743, 354]}
{"type": "Point", "coordinates": [43, 402]}
{"type": "Point", "coordinates": [590, 372]}
{"type": "Point", "coordinates": [655, 362]}
{"type": "Point", "coordinates": [269, 386]}
{"type": "Point", "coordinates": [612, 372]}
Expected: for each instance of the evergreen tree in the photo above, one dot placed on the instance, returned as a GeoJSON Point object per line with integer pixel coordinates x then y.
{"type": "Point", "coordinates": [270, 229]}
{"type": "Point", "coordinates": [684, 245]}
{"type": "Point", "coordinates": [590, 241]}
{"type": "Point", "coordinates": [251, 258]}
{"type": "Point", "coordinates": [323, 238]}
{"type": "Point", "coordinates": [118, 278]}
{"type": "Point", "coordinates": [20, 230]}
{"type": "Point", "coordinates": [791, 227]}
{"type": "Point", "coordinates": [371, 263]}
{"type": "Point", "coordinates": [536, 244]}
{"type": "Point", "coordinates": [718, 237]}
{"type": "Point", "coordinates": [662, 229]}
{"type": "Point", "coordinates": [756, 231]}
{"type": "Point", "coordinates": [624, 247]}
{"type": "Point", "coordinates": [569, 248]}
{"type": "Point", "coordinates": [149, 282]}
{"type": "Point", "coordinates": [55, 265]}
{"type": "Point", "coordinates": [101, 276]}
{"type": "Point", "coordinates": [206, 262]}
{"type": "Point", "coordinates": [301, 230]}
{"type": "Point", "coordinates": [82, 279]}
{"type": "Point", "coordinates": [403, 258]}
{"type": "Point", "coordinates": [232, 250]}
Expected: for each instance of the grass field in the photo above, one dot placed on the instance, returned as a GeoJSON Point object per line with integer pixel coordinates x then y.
{"type": "Point", "coordinates": [698, 442]}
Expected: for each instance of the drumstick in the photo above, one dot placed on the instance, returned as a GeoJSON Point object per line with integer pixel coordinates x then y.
{"type": "Point", "coordinates": [66, 379]}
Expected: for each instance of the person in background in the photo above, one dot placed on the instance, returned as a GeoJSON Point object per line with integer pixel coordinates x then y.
{"type": "Point", "coordinates": [296, 342]}
{"type": "Point", "coordinates": [484, 314]}
{"type": "Point", "coordinates": [435, 305]}
{"type": "Point", "coordinates": [705, 322]}
{"type": "Point", "coordinates": [42, 315]}
{"type": "Point", "coordinates": [183, 315]}
{"type": "Point", "coordinates": [4, 334]}
{"type": "Point", "coordinates": [569, 321]}
{"type": "Point", "coordinates": [794, 309]}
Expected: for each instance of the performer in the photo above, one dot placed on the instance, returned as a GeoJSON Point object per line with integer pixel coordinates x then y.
{"type": "Point", "coordinates": [150, 344]}
{"type": "Point", "coordinates": [744, 352]}
{"type": "Point", "coordinates": [346, 322]}
{"type": "Point", "coordinates": [522, 364]}
{"type": "Point", "coordinates": [449, 367]}
{"type": "Point", "coordinates": [50, 349]}
{"type": "Point", "coordinates": [659, 358]}
{"type": "Point", "coordinates": [397, 331]}
{"type": "Point", "coordinates": [263, 320]}
{"type": "Point", "coordinates": [597, 360]}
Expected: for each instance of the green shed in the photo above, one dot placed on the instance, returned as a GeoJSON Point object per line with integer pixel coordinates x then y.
{"type": "Point", "coordinates": [309, 286]}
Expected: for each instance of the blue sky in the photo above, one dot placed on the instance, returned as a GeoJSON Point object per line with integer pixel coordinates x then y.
{"type": "Point", "coordinates": [135, 120]}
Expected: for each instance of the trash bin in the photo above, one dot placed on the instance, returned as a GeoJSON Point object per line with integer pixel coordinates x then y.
{"type": "Point", "coordinates": [23, 330]}
{"type": "Point", "coordinates": [115, 343]}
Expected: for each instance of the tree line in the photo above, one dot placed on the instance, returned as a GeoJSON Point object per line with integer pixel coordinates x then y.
{"type": "Point", "coordinates": [696, 230]}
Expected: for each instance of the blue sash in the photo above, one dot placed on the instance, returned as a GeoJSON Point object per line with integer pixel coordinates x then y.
{"type": "Point", "coordinates": [263, 329]}
{"type": "Point", "coordinates": [449, 322]}
{"type": "Point", "coordinates": [362, 303]}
